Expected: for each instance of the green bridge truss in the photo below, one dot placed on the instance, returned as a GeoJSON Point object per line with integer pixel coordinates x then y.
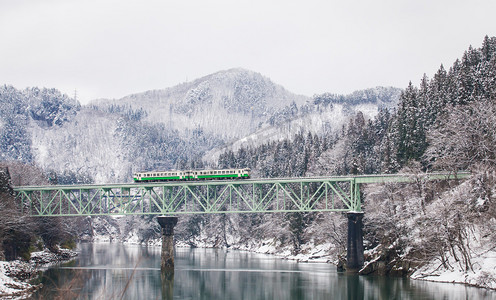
{"type": "Point", "coordinates": [183, 197]}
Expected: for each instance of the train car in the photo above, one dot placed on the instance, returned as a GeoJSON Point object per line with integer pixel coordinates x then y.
{"type": "Point", "coordinates": [178, 175]}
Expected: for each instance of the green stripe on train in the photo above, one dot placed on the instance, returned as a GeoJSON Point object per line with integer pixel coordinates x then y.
{"type": "Point", "coordinates": [156, 178]}
{"type": "Point", "coordinates": [192, 177]}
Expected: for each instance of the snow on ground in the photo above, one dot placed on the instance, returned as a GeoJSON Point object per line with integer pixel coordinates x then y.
{"type": "Point", "coordinates": [12, 288]}
{"type": "Point", "coordinates": [14, 274]}
{"type": "Point", "coordinates": [483, 273]}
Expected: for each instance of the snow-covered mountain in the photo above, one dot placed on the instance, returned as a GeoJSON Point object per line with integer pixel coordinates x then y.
{"type": "Point", "coordinates": [108, 140]}
{"type": "Point", "coordinates": [244, 108]}
{"type": "Point", "coordinates": [229, 104]}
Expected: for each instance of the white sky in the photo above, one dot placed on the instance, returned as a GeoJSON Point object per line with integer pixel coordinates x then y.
{"type": "Point", "coordinates": [109, 49]}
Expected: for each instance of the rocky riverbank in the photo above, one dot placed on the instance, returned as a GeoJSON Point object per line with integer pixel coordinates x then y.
{"type": "Point", "coordinates": [16, 276]}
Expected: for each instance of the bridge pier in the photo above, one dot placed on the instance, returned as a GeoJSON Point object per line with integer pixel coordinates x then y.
{"type": "Point", "coordinates": [354, 253]}
{"type": "Point", "coordinates": [167, 224]}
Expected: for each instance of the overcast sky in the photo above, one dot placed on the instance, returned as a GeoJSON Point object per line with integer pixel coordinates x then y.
{"type": "Point", "coordinates": [109, 49]}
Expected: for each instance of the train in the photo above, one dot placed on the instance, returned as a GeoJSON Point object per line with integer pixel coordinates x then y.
{"type": "Point", "coordinates": [191, 175]}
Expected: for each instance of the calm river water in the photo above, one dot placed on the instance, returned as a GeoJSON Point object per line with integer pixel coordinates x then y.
{"type": "Point", "coordinates": [115, 271]}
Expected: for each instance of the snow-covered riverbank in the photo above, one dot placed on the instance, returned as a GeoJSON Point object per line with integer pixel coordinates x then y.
{"type": "Point", "coordinates": [15, 275]}
{"type": "Point", "coordinates": [481, 274]}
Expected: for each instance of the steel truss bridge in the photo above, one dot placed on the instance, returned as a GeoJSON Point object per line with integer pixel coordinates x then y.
{"type": "Point", "coordinates": [200, 197]}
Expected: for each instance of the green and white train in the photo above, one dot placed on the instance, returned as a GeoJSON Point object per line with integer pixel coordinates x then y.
{"type": "Point", "coordinates": [193, 175]}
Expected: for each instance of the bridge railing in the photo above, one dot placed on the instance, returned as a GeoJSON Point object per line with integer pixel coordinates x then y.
{"type": "Point", "coordinates": [175, 198]}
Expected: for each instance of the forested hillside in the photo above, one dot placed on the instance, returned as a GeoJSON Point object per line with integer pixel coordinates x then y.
{"type": "Point", "coordinates": [47, 107]}
{"type": "Point", "coordinates": [109, 140]}
{"type": "Point", "coordinates": [423, 128]}
{"type": "Point", "coordinates": [446, 123]}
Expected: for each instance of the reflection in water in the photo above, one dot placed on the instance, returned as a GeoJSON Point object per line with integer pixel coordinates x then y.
{"type": "Point", "coordinates": [115, 271]}
{"type": "Point", "coordinates": [167, 285]}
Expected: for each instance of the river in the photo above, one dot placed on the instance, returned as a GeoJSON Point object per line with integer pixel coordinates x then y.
{"type": "Point", "coordinates": [116, 271]}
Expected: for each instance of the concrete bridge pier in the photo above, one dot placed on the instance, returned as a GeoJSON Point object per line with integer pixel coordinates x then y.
{"type": "Point", "coordinates": [354, 253]}
{"type": "Point", "coordinates": [167, 224]}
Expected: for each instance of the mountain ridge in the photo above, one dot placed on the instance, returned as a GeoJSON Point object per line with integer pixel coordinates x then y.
{"type": "Point", "coordinates": [235, 98]}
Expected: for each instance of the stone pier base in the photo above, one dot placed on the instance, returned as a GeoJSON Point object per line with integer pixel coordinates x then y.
{"type": "Point", "coordinates": [167, 224]}
{"type": "Point", "coordinates": [354, 253]}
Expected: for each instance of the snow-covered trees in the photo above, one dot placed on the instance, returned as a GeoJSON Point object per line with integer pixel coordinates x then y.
{"type": "Point", "coordinates": [448, 123]}
{"type": "Point", "coordinates": [465, 137]}
{"type": "Point", "coordinates": [469, 80]}
{"type": "Point", "coordinates": [46, 106]}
